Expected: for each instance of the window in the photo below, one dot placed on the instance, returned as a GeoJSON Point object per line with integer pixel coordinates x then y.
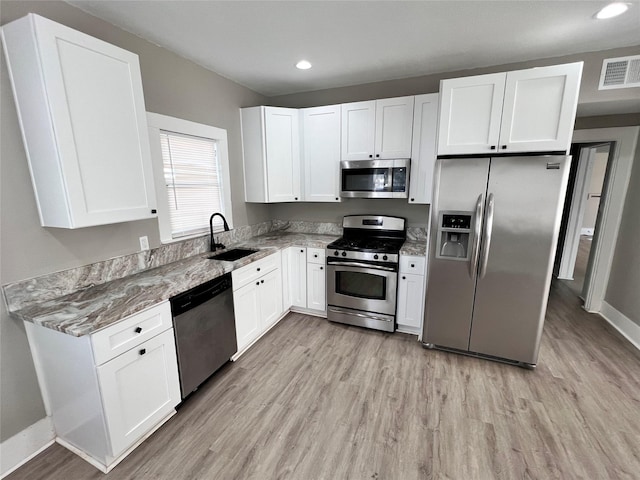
{"type": "Point", "coordinates": [191, 172]}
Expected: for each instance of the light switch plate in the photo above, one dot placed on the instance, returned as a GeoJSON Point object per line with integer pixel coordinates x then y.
{"type": "Point", "coordinates": [144, 243]}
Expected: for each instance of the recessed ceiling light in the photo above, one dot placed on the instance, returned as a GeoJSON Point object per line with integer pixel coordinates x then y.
{"type": "Point", "coordinates": [612, 10]}
{"type": "Point", "coordinates": [303, 65]}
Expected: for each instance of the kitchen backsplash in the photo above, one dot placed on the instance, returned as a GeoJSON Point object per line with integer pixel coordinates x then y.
{"type": "Point", "coordinates": [53, 285]}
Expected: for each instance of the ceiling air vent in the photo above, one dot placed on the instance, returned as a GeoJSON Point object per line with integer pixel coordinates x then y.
{"type": "Point", "coordinates": [623, 72]}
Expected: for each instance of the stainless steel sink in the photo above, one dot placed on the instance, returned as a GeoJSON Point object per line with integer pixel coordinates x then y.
{"type": "Point", "coordinates": [233, 254]}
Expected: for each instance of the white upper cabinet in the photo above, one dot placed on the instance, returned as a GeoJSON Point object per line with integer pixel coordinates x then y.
{"type": "Point", "coordinates": [470, 113]}
{"type": "Point", "coordinates": [425, 120]}
{"type": "Point", "coordinates": [377, 129]}
{"type": "Point", "coordinates": [394, 127]}
{"type": "Point", "coordinates": [271, 154]}
{"type": "Point", "coordinates": [83, 120]}
{"type": "Point", "coordinates": [540, 108]}
{"type": "Point", "coordinates": [321, 153]}
{"type": "Point", "coordinates": [521, 111]}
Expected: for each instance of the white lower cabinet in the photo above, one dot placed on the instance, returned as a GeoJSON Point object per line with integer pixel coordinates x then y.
{"type": "Point", "coordinates": [316, 287]}
{"type": "Point", "coordinates": [411, 294]}
{"type": "Point", "coordinates": [138, 389]}
{"type": "Point", "coordinates": [257, 298]}
{"type": "Point", "coordinates": [104, 397]}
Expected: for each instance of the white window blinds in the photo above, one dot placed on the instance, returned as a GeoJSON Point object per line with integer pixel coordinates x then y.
{"type": "Point", "coordinates": [193, 180]}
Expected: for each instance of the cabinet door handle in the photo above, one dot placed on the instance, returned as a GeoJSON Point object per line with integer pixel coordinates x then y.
{"type": "Point", "coordinates": [258, 269]}
{"type": "Point", "coordinates": [257, 283]}
{"type": "Point", "coordinates": [261, 281]}
{"type": "Point", "coordinates": [301, 250]}
{"type": "Point", "coordinates": [377, 155]}
{"type": "Point", "coordinates": [404, 278]}
{"type": "Point", "coordinates": [320, 268]}
{"type": "Point", "coordinates": [337, 199]}
{"type": "Point", "coordinates": [493, 147]}
{"type": "Point", "coordinates": [296, 198]}
{"type": "Point", "coordinates": [504, 147]}
{"type": "Point", "coordinates": [413, 199]}
{"type": "Point", "coordinates": [413, 265]}
{"type": "Point", "coordinates": [138, 330]}
{"type": "Point", "coordinates": [370, 156]}
{"type": "Point", "coordinates": [143, 351]}
{"type": "Point", "coordinates": [315, 255]}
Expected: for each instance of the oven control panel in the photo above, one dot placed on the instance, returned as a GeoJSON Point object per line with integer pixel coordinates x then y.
{"type": "Point", "coordinates": [337, 255]}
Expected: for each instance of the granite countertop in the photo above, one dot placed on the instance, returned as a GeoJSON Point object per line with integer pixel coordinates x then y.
{"type": "Point", "coordinates": [414, 248]}
{"type": "Point", "coordinates": [91, 309]}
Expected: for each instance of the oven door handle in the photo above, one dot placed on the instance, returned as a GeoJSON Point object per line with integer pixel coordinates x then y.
{"type": "Point", "coordinates": [362, 265]}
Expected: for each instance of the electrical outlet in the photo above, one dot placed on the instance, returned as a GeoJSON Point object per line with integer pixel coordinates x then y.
{"type": "Point", "coordinates": [144, 243]}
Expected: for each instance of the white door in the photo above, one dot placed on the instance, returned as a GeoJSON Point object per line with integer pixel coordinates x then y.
{"type": "Point", "coordinates": [283, 154]}
{"type": "Point", "coordinates": [270, 298]}
{"type": "Point", "coordinates": [316, 287]}
{"type": "Point", "coordinates": [423, 151]}
{"type": "Point", "coordinates": [321, 153]}
{"type": "Point", "coordinates": [410, 301]}
{"type": "Point", "coordinates": [470, 113]}
{"type": "Point", "coordinates": [139, 389]}
{"type": "Point", "coordinates": [96, 103]}
{"type": "Point", "coordinates": [539, 108]}
{"type": "Point", "coordinates": [298, 276]}
{"type": "Point", "coordinates": [246, 304]}
{"type": "Point", "coordinates": [394, 127]}
{"type": "Point", "coordinates": [358, 130]}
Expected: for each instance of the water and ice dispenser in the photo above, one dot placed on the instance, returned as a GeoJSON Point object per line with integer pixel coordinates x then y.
{"type": "Point", "coordinates": [454, 232]}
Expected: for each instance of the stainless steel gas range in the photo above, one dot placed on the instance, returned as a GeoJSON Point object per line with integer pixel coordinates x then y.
{"type": "Point", "coordinates": [362, 271]}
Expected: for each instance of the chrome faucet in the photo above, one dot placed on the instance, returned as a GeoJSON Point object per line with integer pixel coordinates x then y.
{"type": "Point", "coordinates": [212, 242]}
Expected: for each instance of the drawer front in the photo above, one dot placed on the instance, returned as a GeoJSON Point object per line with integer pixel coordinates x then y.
{"type": "Point", "coordinates": [316, 255]}
{"type": "Point", "coordinates": [130, 332]}
{"type": "Point", "coordinates": [254, 270]}
{"type": "Point", "coordinates": [415, 265]}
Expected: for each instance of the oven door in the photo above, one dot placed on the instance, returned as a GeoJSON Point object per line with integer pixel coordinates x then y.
{"type": "Point", "coordinates": [362, 287]}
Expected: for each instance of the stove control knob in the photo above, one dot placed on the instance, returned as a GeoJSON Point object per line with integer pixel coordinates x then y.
{"type": "Point", "coordinates": [336, 253]}
{"type": "Point", "coordinates": [385, 258]}
{"type": "Point", "coordinates": [344, 254]}
{"type": "Point", "coordinates": [375, 257]}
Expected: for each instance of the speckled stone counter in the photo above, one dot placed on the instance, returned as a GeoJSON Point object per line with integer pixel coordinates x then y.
{"type": "Point", "coordinates": [414, 248]}
{"type": "Point", "coordinates": [96, 307]}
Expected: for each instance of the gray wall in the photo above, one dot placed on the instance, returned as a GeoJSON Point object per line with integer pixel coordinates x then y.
{"type": "Point", "coordinates": [172, 86]}
{"type": "Point", "coordinates": [624, 280]}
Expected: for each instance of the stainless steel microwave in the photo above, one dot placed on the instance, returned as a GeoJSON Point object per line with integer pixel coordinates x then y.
{"type": "Point", "coordinates": [374, 178]}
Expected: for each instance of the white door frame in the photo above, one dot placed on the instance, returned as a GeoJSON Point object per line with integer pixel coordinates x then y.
{"type": "Point", "coordinates": [611, 207]}
{"type": "Point", "coordinates": [576, 212]}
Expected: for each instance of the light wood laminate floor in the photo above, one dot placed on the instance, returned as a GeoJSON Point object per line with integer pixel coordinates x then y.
{"type": "Point", "coordinates": [316, 400]}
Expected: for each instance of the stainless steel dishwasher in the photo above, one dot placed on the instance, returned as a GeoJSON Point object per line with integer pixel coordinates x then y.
{"type": "Point", "coordinates": [205, 331]}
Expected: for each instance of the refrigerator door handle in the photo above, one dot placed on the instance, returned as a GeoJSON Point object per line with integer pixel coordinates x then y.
{"type": "Point", "coordinates": [475, 249]}
{"type": "Point", "coordinates": [486, 238]}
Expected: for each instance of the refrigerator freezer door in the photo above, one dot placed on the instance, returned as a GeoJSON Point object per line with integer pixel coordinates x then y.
{"type": "Point", "coordinates": [511, 297]}
{"type": "Point", "coordinates": [460, 183]}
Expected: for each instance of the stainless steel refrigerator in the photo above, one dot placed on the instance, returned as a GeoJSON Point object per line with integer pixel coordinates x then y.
{"type": "Point", "coordinates": [494, 232]}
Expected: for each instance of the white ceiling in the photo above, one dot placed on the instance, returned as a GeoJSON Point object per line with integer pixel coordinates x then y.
{"type": "Point", "coordinates": [257, 43]}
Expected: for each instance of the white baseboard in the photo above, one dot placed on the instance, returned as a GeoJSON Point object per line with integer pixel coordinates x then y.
{"type": "Point", "coordinates": [628, 329]}
{"type": "Point", "coordinates": [23, 446]}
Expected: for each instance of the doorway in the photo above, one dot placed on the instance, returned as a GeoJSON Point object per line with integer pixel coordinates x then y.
{"type": "Point", "coordinates": [580, 216]}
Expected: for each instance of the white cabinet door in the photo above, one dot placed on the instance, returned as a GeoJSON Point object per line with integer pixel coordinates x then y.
{"type": "Point", "coordinates": [316, 287]}
{"type": "Point", "coordinates": [84, 124]}
{"type": "Point", "coordinates": [410, 301]}
{"type": "Point", "coordinates": [539, 108]}
{"type": "Point", "coordinates": [139, 388]}
{"type": "Point", "coordinates": [246, 304]}
{"type": "Point", "coordinates": [283, 154]}
{"type": "Point", "coordinates": [394, 126]}
{"type": "Point", "coordinates": [358, 130]}
{"type": "Point", "coordinates": [321, 153]}
{"type": "Point", "coordinates": [425, 121]}
{"type": "Point", "coordinates": [270, 298]}
{"type": "Point", "coordinates": [470, 113]}
{"type": "Point", "coordinates": [298, 276]}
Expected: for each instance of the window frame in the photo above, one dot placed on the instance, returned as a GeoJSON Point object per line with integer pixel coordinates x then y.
{"type": "Point", "coordinates": [156, 123]}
